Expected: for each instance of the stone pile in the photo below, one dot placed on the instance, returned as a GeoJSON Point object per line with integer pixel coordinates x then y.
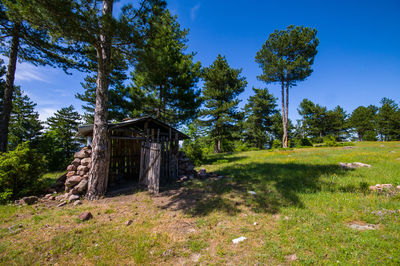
{"type": "Point", "coordinates": [76, 182]}
{"type": "Point", "coordinates": [185, 167]}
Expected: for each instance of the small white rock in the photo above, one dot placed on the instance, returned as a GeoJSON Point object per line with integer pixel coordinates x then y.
{"type": "Point", "coordinates": [237, 240]}
{"type": "Point", "coordinates": [251, 192]}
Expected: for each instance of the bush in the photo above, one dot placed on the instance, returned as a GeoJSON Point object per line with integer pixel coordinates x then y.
{"type": "Point", "coordinates": [20, 171]}
{"type": "Point", "coordinates": [194, 152]}
{"type": "Point", "coordinates": [370, 136]}
{"type": "Point", "coordinates": [302, 143]}
{"type": "Point", "coordinates": [240, 146]}
{"type": "Point", "coordinates": [276, 144]}
{"type": "Point", "coordinates": [306, 143]}
{"type": "Point", "coordinates": [330, 141]}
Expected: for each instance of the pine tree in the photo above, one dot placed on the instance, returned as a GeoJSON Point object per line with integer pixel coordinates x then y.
{"type": "Point", "coordinates": [167, 74]}
{"type": "Point", "coordinates": [92, 27]}
{"type": "Point", "coordinates": [222, 86]}
{"type": "Point", "coordinates": [20, 41]}
{"type": "Point", "coordinates": [337, 124]}
{"type": "Point", "coordinates": [259, 111]}
{"type": "Point", "coordinates": [363, 121]}
{"type": "Point", "coordinates": [24, 121]}
{"type": "Point", "coordinates": [122, 100]}
{"type": "Point", "coordinates": [286, 57]}
{"type": "Point", "coordinates": [318, 121]}
{"type": "Point", "coordinates": [65, 125]}
{"type": "Point", "coordinates": [388, 119]}
{"type": "Point", "coordinates": [314, 119]}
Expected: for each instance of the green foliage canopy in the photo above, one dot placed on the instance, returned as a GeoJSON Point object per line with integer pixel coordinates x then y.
{"type": "Point", "coordinates": [166, 73]}
{"type": "Point", "coordinates": [20, 171]}
{"type": "Point", "coordinates": [363, 121]}
{"type": "Point", "coordinates": [259, 113]}
{"type": "Point", "coordinates": [222, 86]}
{"type": "Point", "coordinates": [286, 57]}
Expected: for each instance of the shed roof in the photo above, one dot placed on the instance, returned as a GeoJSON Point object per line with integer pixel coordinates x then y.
{"type": "Point", "coordinates": [86, 130]}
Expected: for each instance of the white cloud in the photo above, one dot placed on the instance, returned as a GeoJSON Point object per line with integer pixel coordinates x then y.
{"type": "Point", "coordinates": [193, 11]}
{"type": "Point", "coordinates": [29, 72]}
{"type": "Point", "coordinates": [45, 113]}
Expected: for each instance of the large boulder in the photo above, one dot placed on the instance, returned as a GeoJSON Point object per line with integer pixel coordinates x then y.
{"type": "Point", "coordinates": [60, 183]}
{"type": "Point", "coordinates": [82, 168]}
{"type": "Point", "coordinates": [71, 168]}
{"type": "Point", "coordinates": [76, 162]}
{"type": "Point", "coordinates": [381, 187]}
{"type": "Point", "coordinates": [86, 161]}
{"type": "Point", "coordinates": [353, 165]}
{"type": "Point", "coordinates": [80, 188]}
{"type": "Point", "coordinates": [29, 200]}
{"type": "Point", "coordinates": [82, 173]}
{"type": "Point", "coordinates": [71, 173]}
{"type": "Point", "coordinates": [73, 180]}
{"type": "Point", "coordinates": [87, 149]}
{"type": "Point", "coordinates": [84, 153]}
{"type": "Point", "coordinates": [80, 154]}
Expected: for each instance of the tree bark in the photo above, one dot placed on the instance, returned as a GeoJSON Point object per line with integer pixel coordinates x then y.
{"type": "Point", "coordinates": [284, 123]}
{"type": "Point", "coordinates": [9, 88]}
{"type": "Point", "coordinates": [217, 146]}
{"type": "Point", "coordinates": [287, 111]}
{"type": "Point", "coordinates": [160, 103]}
{"type": "Point", "coordinates": [98, 174]}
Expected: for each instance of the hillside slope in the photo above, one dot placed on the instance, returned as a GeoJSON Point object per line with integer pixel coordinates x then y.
{"type": "Point", "coordinates": [292, 206]}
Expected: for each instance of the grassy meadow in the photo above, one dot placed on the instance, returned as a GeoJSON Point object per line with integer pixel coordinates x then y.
{"type": "Point", "coordinates": [298, 214]}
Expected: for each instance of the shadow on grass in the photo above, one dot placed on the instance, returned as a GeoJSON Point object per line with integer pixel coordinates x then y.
{"type": "Point", "coordinates": [275, 185]}
{"type": "Point", "coordinates": [216, 158]}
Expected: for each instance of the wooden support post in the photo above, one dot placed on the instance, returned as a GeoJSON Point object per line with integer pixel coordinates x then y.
{"type": "Point", "coordinates": [169, 155]}
{"type": "Point", "coordinates": [108, 156]}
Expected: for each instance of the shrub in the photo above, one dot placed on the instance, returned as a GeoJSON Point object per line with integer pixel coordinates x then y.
{"type": "Point", "coordinates": [330, 141]}
{"type": "Point", "coordinates": [370, 136]}
{"type": "Point", "coordinates": [194, 152]}
{"type": "Point", "coordinates": [221, 161]}
{"type": "Point", "coordinates": [20, 171]}
{"type": "Point", "coordinates": [302, 143]}
{"type": "Point", "coordinates": [240, 146]}
{"type": "Point", "coordinates": [276, 144]}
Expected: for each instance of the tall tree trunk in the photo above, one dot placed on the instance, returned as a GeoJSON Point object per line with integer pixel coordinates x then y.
{"type": "Point", "coordinates": [217, 145]}
{"type": "Point", "coordinates": [287, 111]}
{"type": "Point", "coordinates": [98, 174]}
{"type": "Point", "coordinates": [160, 104]}
{"type": "Point", "coordinates": [284, 123]}
{"type": "Point", "coordinates": [9, 88]}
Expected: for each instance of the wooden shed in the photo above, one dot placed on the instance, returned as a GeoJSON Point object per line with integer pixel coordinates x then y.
{"type": "Point", "coordinates": [142, 151]}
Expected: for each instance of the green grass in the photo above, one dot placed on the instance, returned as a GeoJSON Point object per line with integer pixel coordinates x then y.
{"type": "Point", "coordinates": [49, 179]}
{"type": "Point", "coordinates": [302, 206]}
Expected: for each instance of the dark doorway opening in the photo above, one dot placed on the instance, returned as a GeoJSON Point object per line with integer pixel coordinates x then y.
{"type": "Point", "coordinates": [124, 163]}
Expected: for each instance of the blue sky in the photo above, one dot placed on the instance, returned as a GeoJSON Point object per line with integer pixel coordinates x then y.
{"type": "Point", "coordinates": [358, 60]}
